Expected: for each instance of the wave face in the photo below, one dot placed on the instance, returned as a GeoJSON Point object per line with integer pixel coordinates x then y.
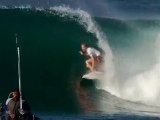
{"type": "Point", "coordinates": [52, 67]}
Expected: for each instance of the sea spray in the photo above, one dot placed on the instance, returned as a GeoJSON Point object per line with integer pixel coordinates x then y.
{"type": "Point", "coordinates": [142, 87]}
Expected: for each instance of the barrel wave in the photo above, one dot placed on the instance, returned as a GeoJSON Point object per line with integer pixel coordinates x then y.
{"type": "Point", "coordinates": [52, 66]}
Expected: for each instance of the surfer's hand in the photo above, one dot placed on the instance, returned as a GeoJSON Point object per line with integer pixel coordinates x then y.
{"type": "Point", "coordinates": [81, 52]}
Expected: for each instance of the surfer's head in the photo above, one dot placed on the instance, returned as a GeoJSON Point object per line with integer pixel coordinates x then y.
{"type": "Point", "coordinates": [84, 47]}
{"type": "Point", "coordinates": [16, 93]}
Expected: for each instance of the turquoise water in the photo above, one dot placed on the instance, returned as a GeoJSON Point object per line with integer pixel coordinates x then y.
{"type": "Point", "coordinates": [52, 67]}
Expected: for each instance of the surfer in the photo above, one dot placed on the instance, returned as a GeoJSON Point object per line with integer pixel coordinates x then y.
{"type": "Point", "coordinates": [93, 55]}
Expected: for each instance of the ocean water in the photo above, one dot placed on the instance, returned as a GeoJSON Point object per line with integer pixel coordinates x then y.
{"type": "Point", "coordinates": [52, 67]}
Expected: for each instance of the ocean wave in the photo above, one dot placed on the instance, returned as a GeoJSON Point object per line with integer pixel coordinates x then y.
{"type": "Point", "coordinates": [51, 59]}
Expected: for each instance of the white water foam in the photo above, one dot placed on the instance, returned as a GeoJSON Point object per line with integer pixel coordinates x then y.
{"type": "Point", "coordinates": [144, 86]}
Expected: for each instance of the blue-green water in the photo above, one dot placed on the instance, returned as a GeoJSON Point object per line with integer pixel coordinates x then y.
{"type": "Point", "coordinates": [52, 67]}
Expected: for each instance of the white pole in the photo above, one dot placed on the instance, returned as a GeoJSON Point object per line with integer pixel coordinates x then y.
{"type": "Point", "coordinates": [19, 72]}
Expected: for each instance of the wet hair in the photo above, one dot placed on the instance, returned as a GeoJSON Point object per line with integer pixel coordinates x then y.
{"type": "Point", "coordinates": [11, 93]}
{"type": "Point", "coordinates": [85, 44]}
{"type": "Point", "coordinates": [15, 90]}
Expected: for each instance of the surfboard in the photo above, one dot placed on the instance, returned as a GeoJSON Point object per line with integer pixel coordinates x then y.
{"type": "Point", "coordinates": [93, 75]}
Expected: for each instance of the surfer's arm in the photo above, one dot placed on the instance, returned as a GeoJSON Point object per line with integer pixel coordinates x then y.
{"type": "Point", "coordinates": [84, 53]}
{"type": "Point", "coordinates": [81, 52]}
{"type": "Point", "coordinates": [93, 63]}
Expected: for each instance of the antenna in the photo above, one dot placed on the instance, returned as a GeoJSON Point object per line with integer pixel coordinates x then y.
{"type": "Point", "coordinates": [19, 72]}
